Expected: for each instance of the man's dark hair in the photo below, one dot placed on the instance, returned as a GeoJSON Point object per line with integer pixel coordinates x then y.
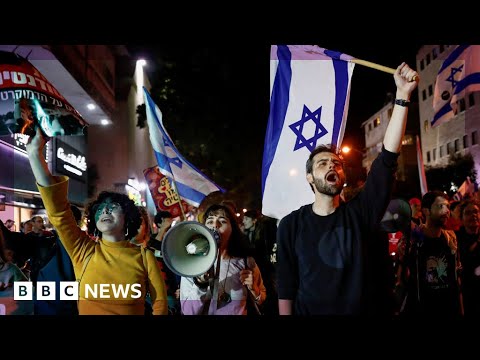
{"type": "Point", "coordinates": [253, 214]}
{"type": "Point", "coordinates": [331, 148]}
{"type": "Point", "coordinates": [132, 215]}
{"type": "Point", "coordinates": [429, 198]}
{"type": "Point", "coordinates": [159, 216]}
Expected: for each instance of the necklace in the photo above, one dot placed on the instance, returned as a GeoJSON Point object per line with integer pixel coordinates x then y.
{"type": "Point", "coordinates": [225, 297]}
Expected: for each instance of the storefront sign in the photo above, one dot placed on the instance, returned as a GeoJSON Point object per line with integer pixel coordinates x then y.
{"type": "Point", "coordinates": [69, 161]}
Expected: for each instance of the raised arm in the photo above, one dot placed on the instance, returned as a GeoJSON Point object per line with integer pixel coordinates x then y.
{"type": "Point", "coordinates": [396, 128]}
{"type": "Point", "coordinates": [35, 146]}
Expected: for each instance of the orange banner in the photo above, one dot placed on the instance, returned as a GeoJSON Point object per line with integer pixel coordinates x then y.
{"type": "Point", "coordinates": [163, 194]}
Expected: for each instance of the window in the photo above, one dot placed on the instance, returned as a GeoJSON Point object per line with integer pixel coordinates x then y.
{"type": "Point", "coordinates": [425, 125]}
{"type": "Point", "coordinates": [422, 65]}
{"type": "Point", "coordinates": [428, 156]}
{"type": "Point", "coordinates": [449, 148]}
{"type": "Point", "coordinates": [434, 53]}
{"type": "Point", "coordinates": [461, 105]}
{"type": "Point", "coordinates": [424, 94]}
{"type": "Point", "coordinates": [430, 90]}
{"type": "Point", "coordinates": [370, 127]}
{"type": "Point", "coordinates": [457, 145]}
{"type": "Point", "coordinates": [474, 138]}
{"type": "Point", "coordinates": [434, 153]}
{"type": "Point", "coordinates": [465, 141]}
{"type": "Point", "coordinates": [442, 48]}
{"type": "Point", "coordinates": [440, 155]}
{"type": "Point", "coordinates": [376, 122]}
{"type": "Point", "coordinates": [471, 100]}
{"type": "Point", "coordinates": [389, 112]}
{"type": "Point", "coordinates": [428, 59]}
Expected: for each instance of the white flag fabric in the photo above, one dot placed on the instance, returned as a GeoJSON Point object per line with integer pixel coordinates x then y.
{"type": "Point", "coordinates": [458, 76]}
{"type": "Point", "coordinates": [192, 185]}
{"type": "Point", "coordinates": [466, 189]}
{"type": "Point", "coordinates": [421, 169]}
{"type": "Point", "coordinates": [309, 94]}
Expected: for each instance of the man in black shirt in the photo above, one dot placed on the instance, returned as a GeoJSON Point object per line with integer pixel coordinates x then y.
{"type": "Point", "coordinates": [323, 257]}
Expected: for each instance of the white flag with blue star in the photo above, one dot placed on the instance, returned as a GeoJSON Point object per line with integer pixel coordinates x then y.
{"type": "Point", "coordinates": [309, 93]}
{"type": "Point", "coordinates": [192, 185]}
{"type": "Point", "coordinates": [458, 76]}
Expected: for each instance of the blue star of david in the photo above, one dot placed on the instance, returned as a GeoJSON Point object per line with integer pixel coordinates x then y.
{"type": "Point", "coordinates": [297, 128]}
{"type": "Point", "coordinates": [175, 160]}
{"type": "Point", "coordinates": [453, 71]}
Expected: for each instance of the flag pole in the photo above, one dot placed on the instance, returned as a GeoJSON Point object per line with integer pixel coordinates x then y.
{"type": "Point", "coordinates": [377, 67]}
{"type": "Point", "coordinates": [174, 185]}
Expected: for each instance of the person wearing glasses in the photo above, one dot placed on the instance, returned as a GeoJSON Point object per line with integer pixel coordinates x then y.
{"type": "Point", "coordinates": [121, 272]}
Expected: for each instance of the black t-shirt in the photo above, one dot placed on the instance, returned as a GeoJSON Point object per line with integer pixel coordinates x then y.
{"type": "Point", "coordinates": [438, 292]}
{"type": "Point", "coordinates": [323, 260]}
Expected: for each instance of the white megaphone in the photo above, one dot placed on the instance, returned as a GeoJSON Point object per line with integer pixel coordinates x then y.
{"type": "Point", "coordinates": [189, 248]}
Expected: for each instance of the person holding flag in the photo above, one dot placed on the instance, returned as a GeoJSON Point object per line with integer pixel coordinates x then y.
{"type": "Point", "coordinates": [325, 249]}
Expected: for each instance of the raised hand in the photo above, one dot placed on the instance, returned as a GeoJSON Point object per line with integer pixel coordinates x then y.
{"type": "Point", "coordinates": [37, 142]}
{"type": "Point", "coordinates": [406, 80]}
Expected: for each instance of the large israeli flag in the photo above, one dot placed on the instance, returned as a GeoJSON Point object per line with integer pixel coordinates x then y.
{"type": "Point", "coordinates": [309, 93]}
{"type": "Point", "coordinates": [192, 185]}
{"type": "Point", "coordinates": [458, 76]}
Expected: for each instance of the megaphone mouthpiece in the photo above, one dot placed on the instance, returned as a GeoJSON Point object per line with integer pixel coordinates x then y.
{"type": "Point", "coordinates": [198, 246]}
{"type": "Point", "coordinates": [184, 240]}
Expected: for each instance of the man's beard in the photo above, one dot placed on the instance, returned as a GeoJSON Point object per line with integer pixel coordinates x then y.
{"type": "Point", "coordinates": [328, 189]}
{"type": "Point", "coordinates": [439, 222]}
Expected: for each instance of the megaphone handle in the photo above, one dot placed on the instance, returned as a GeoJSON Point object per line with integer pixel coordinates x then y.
{"type": "Point", "coordinates": [214, 285]}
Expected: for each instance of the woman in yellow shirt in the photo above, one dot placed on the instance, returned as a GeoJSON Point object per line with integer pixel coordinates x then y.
{"type": "Point", "coordinates": [114, 275]}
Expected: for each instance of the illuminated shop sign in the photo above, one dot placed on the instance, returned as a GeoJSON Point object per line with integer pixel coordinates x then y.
{"type": "Point", "coordinates": [70, 161]}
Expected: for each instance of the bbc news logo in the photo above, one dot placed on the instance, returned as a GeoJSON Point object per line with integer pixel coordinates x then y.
{"type": "Point", "coordinates": [68, 290]}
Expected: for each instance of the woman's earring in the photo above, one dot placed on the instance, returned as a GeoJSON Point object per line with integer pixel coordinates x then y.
{"type": "Point", "coordinates": [126, 234]}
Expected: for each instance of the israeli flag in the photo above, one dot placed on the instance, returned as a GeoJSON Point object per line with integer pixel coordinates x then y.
{"type": "Point", "coordinates": [192, 185]}
{"type": "Point", "coordinates": [458, 76]}
{"type": "Point", "coordinates": [309, 94]}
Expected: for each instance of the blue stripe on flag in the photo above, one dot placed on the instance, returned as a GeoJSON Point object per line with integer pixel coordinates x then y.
{"type": "Point", "coordinates": [444, 110]}
{"type": "Point", "coordinates": [170, 143]}
{"type": "Point", "coordinates": [189, 193]}
{"type": "Point", "coordinates": [278, 108]}
{"type": "Point", "coordinates": [192, 185]}
{"type": "Point", "coordinates": [468, 80]}
{"type": "Point", "coordinates": [452, 57]}
{"type": "Point", "coordinates": [341, 88]}
{"type": "Point", "coordinates": [333, 54]}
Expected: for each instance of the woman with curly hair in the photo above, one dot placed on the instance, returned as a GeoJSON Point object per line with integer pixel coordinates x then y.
{"type": "Point", "coordinates": [110, 263]}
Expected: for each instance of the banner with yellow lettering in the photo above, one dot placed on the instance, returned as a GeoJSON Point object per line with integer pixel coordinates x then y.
{"type": "Point", "coordinates": [164, 195]}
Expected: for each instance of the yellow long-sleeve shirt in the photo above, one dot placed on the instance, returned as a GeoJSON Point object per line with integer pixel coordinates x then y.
{"type": "Point", "coordinates": [111, 263]}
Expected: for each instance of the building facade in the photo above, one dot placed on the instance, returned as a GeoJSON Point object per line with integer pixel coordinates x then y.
{"type": "Point", "coordinates": [110, 156]}
{"type": "Point", "coordinates": [459, 135]}
{"type": "Point", "coordinates": [407, 184]}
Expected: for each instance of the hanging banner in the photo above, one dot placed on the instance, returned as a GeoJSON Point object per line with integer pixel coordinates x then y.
{"type": "Point", "coordinates": [163, 194]}
{"type": "Point", "coordinates": [28, 101]}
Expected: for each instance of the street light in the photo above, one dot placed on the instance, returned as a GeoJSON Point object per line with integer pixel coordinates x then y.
{"type": "Point", "coordinates": [354, 171]}
{"type": "Point", "coordinates": [347, 149]}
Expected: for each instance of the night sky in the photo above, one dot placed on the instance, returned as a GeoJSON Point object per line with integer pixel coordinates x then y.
{"type": "Point", "coordinates": [231, 84]}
